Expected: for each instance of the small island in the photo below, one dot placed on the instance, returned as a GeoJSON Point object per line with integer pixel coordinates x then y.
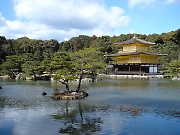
{"type": "Point", "coordinates": [71, 95]}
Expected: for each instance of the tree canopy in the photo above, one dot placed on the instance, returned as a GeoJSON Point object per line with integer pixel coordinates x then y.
{"type": "Point", "coordinates": [34, 57]}
{"type": "Point", "coordinates": [173, 68]}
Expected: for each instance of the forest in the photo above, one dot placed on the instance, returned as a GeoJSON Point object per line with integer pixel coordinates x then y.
{"type": "Point", "coordinates": [33, 57]}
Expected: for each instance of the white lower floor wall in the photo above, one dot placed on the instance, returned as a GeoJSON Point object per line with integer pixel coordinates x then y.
{"type": "Point", "coordinates": [153, 69]}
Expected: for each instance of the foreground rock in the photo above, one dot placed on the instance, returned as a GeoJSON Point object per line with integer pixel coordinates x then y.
{"type": "Point", "coordinates": [64, 95]}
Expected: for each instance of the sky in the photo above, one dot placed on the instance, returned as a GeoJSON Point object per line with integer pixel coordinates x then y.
{"type": "Point", "coordinates": [64, 19]}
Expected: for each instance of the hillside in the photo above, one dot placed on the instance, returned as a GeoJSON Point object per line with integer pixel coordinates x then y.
{"type": "Point", "coordinates": [41, 50]}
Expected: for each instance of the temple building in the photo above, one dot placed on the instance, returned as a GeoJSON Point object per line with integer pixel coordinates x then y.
{"type": "Point", "coordinates": [134, 58]}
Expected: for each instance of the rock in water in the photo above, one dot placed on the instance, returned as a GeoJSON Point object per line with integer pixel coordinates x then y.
{"type": "Point", "coordinates": [44, 93]}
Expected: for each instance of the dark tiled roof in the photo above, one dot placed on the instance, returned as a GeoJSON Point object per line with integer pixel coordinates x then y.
{"type": "Point", "coordinates": [134, 39]}
{"type": "Point", "coordinates": [133, 53]}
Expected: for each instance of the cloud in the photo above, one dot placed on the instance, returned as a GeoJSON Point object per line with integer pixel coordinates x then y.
{"type": "Point", "coordinates": [172, 1]}
{"type": "Point", "coordinates": [63, 19]}
{"type": "Point", "coordinates": [16, 29]}
{"type": "Point", "coordinates": [2, 21]}
{"type": "Point", "coordinates": [134, 3]}
{"type": "Point", "coordinates": [143, 3]}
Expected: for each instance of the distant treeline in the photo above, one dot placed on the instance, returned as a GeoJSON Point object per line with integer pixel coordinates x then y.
{"type": "Point", "coordinates": [39, 50]}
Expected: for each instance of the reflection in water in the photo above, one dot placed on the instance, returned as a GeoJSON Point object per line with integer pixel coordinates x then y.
{"type": "Point", "coordinates": [114, 106]}
{"type": "Point", "coordinates": [78, 120]}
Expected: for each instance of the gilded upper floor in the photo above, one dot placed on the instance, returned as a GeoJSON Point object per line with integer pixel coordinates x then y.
{"type": "Point", "coordinates": [134, 45]}
{"type": "Point", "coordinates": [134, 51]}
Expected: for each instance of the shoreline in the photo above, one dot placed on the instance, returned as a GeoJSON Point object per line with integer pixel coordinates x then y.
{"type": "Point", "coordinates": [132, 76]}
{"type": "Point", "coordinates": [111, 76]}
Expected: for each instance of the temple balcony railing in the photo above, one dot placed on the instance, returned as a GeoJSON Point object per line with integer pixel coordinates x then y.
{"type": "Point", "coordinates": [127, 62]}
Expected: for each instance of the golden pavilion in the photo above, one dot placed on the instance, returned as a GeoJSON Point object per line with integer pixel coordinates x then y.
{"type": "Point", "coordinates": [134, 58]}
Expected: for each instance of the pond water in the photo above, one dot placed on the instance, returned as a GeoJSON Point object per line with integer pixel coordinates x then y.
{"type": "Point", "coordinates": [113, 107]}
